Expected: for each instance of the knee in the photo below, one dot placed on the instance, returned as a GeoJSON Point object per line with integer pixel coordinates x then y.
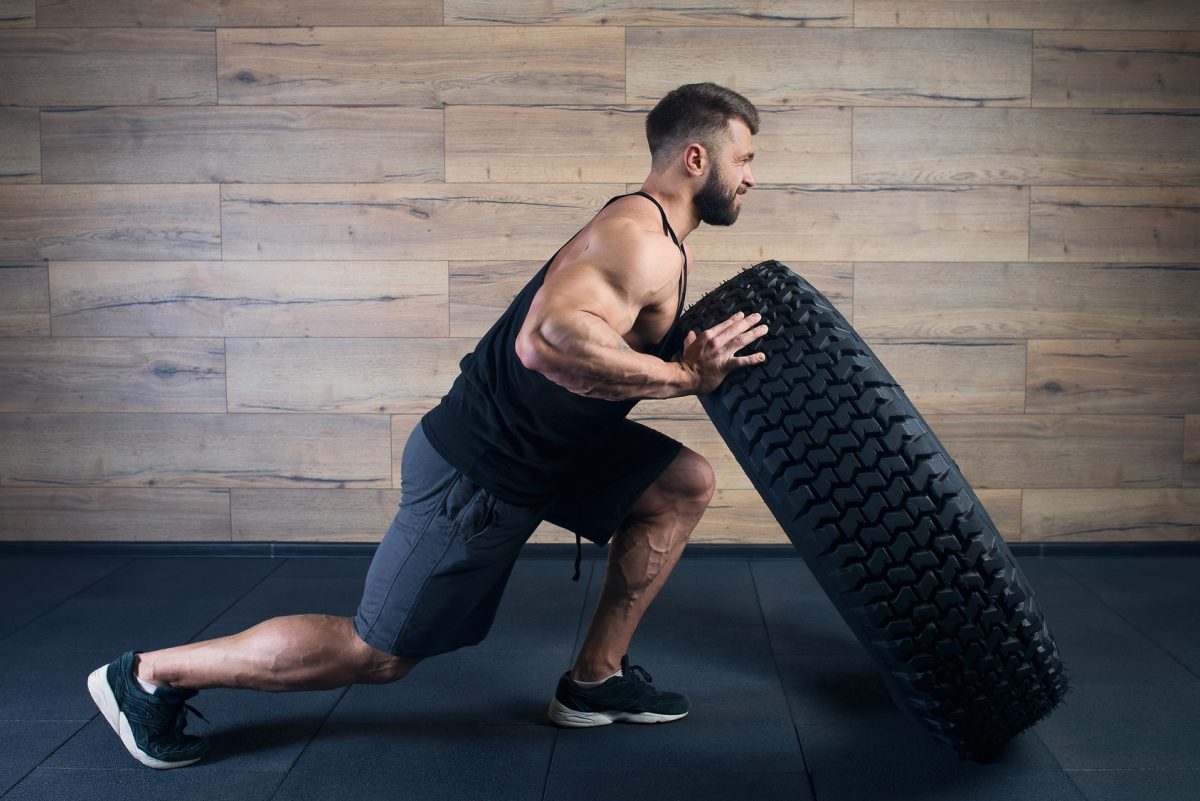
{"type": "Point", "coordinates": [372, 666]}
{"type": "Point", "coordinates": [694, 482]}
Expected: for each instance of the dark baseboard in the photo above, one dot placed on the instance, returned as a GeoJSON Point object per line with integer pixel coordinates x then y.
{"type": "Point", "coordinates": [536, 550]}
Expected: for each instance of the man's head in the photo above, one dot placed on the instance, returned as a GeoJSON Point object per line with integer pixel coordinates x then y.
{"type": "Point", "coordinates": [704, 131]}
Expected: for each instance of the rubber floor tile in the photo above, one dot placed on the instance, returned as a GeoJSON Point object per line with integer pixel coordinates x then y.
{"type": "Point", "coordinates": [1113, 726]}
{"type": "Point", "coordinates": [184, 784]}
{"type": "Point", "coordinates": [472, 686]}
{"type": "Point", "coordinates": [1099, 647]}
{"type": "Point", "coordinates": [827, 691]}
{"type": "Point", "coordinates": [422, 763]}
{"type": "Point", "coordinates": [705, 656]}
{"type": "Point", "coordinates": [905, 763]}
{"type": "Point", "coordinates": [247, 731]}
{"type": "Point", "coordinates": [783, 577]}
{"type": "Point", "coordinates": [1053, 587]}
{"type": "Point", "coordinates": [1138, 785]}
{"type": "Point", "coordinates": [693, 786]}
{"type": "Point", "coordinates": [734, 729]}
{"type": "Point", "coordinates": [178, 578]}
{"type": "Point", "coordinates": [27, 743]}
{"type": "Point", "coordinates": [806, 623]}
{"type": "Point", "coordinates": [31, 586]}
{"type": "Point", "coordinates": [48, 685]}
{"type": "Point", "coordinates": [347, 567]}
{"type": "Point", "coordinates": [276, 596]}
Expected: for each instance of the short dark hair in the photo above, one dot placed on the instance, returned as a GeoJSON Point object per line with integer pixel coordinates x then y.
{"type": "Point", "coordinates": [696, 112]}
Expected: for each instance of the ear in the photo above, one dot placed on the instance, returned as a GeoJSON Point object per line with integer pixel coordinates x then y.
{"type": "Point", "coordinates": [695, 159]}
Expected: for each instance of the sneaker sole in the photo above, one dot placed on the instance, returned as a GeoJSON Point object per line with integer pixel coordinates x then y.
{"type": "Point", "coordinates": [102, 694]}
{"type": "Point", "coordinates": [575, 719]}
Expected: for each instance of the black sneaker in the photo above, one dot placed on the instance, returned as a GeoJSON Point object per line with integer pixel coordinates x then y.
{"type": "Point", "coordinates": [628, 698]}
{"type": "Point", "coordinates": [150, 726]}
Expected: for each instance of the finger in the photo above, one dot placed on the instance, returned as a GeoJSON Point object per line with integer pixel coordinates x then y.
{"type": "Point", "coordinates": [689, 339]}
{"type": "Point", "coordinates": [738, 333]}
{"type": "Point", "coordinates": [746, 361]}
{"type": "Point", "coordinates": [723, 326]}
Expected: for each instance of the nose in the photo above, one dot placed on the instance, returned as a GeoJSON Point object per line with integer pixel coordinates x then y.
{"type": "Point", "coordinates": [748, 177]}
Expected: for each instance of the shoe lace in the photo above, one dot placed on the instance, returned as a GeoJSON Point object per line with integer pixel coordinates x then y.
{"type": "Point", "coordinates": [181, 720]}
{"type": "Point", "coordinates": [639, 673]}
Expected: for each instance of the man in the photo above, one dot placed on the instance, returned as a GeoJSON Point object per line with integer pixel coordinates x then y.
{"type": "Point", "coordinates": [535, 427]}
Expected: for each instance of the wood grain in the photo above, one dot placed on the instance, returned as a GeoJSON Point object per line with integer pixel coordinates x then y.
{"type": "Point", "coordinates": [20, 157]}
{"type": "Point", "coordinates": [79, 67]}
{"type": "Point", "coordinates": [249, 299]}
{"type": "Point", "coordinates": [1144, 69]}
{"type": "Point", "coordinates": [405, 221]}
{"type": "Point", "coordinates": [121, 515]}
{"type": "Point", "coordinates": [1026, 146]}
{"type": "Point", "coordinates": [1138, 376]}
{"type": "Point", "coordinates": [63, 374]}
{"type": "Point", "coordinates": [1191, 451]}
{"type": "Point", "coordinates": [304, 515]}
{"type": "Point", "coordinates": [1063, 451]}
{"type": "Point", "coordinates": [90, 221]}
{"type": "Point", "coordinates": [18, 13]}
{"type": "Point", "coordinates": [24, 300]}
{"type": "Point", "coordinates": [194, 450]}
{"type": "Point", "coordinates": [833, 66]}
{"type": "Point", "coordinates": [1115, 224]}
{"type": "Point", "coordinates": [420, 66]}
{"type": "Point", "coordinates": [896, 223]}
{"type": "Point", "coordinates": [241, 144]}
{"type": "Point", "coordinates": [1109, 14]}
{"type": "Point", "coordinates": [370, 375]}
{"type": "Point", "coordinates": [149, 13]}
{"type": "Point", "coordinates": [1026, 300]}
{"type": "Point", "coordinates": [973, 377]}
{"type": "Point", "coordinates": [608, 143]}
{"type": "Point", "coordinates": [806, 13]}
{"type": "Point", "coordinates": [1106, 515]}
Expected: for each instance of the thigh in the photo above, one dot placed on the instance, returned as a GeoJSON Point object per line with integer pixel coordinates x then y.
{"type": "Point", "coordinates": [605, 485]}
{"type": "Point", "coordinates": [438, 574]}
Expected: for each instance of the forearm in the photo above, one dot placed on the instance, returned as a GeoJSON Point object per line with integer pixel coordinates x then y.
{"type": "Point", "coordinates": [585, 355]}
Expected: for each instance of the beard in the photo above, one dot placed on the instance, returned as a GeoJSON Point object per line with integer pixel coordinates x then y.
{"type": "Point", "coordinates": [714, 202]}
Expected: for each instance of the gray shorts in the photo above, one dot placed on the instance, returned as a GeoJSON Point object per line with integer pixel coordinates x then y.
{"type": "Point", "coordinates": [438, 575]}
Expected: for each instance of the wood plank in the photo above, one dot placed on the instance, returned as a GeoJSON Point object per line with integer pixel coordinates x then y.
{"type": "Point", "coordinates": [249, 299]}
{"type": "Point", "coordinates": [312, 515]}
{"type": "Point", "coordinates": [1122, 69]}
{"type": "Point", "coordinates": [1139, 376]}
{"type": "Point", "coordinates": [1004, 508]}
{"type": "Point", "coordinates": [1022, 300]}
{"type": "Point", "coordinates": [608, 143]}
{"type": "Point", "coordinates": [420, 66]}
{"type": "Point", "coordinates": [1191, 451]}
{"type": "Point", "coordinates": [962, 377]}
{"type": "Point", "coordinates": [18, 13]}
{"type": "Point", "coordinates": [405, 221]}
{"type": "Point", "coordinates": [123, 515]}
{"type": "Point", "coordinates": [1105, 515]}
{"type": "Point", "coordinates": [370, 375]}
{"type": "Point", "coordinates": [20, 156]}
{"type": "Point", "coordinates": [130, 66]}
{"type": "Point", "coordinates": [96, 221]}
{"type": "Point", "coordinates": [238, 145]}
{"type": "Point", "coordinates": [194, 450]}
{"type": "Point", "coordinates": [1062, 451]}
{"type": "Point", "coordinates": [806, 13]}
{"type": "Point", "coordinates": [24, 300]}
{"type": "Point", "coordinates": [1114, 223]}
{"type": "Point", "coordinates": [63, 374]}
{"type": "Point", "coordinates": [480, 291]}
{"type": "Point", "coordinates": [1026, 146]}
{"type": "Point", "coordinates": [835, 66]}
{"type": "Point", "coordinates": [150, 13]}
{"type": "Point", "coordinates": [1109, 14]}
{"type": "Point", "coordinates": [852, 222]}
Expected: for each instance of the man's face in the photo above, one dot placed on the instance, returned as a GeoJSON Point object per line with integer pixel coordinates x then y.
{"type": "Point", "coordinates": [720, 198]}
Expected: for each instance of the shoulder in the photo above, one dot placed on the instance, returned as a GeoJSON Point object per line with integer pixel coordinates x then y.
{"type": "Point", "coordinates": [637, 254]}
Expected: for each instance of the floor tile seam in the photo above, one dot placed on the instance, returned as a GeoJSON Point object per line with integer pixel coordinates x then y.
{"type": "Point", "coordinates": [812, 788]}
{"type": "Point", "coordinates": [1123, 618]}
{"type": "Point", "coordinates": [320, 726]}
{"type": "Point", "coordinates": [1132, 770]}
{"type": "Point", "coordinates": [237, 600]}
{"type": "Point", "coordinates": [45, 720]}
{"type": "Point", "coordinates": [54, 751]}
{"type": "Point", "coordinates": [86, 587]}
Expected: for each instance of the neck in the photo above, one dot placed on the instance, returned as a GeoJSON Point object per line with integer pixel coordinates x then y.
{"type": "Point", "coordinates": [681, 211]}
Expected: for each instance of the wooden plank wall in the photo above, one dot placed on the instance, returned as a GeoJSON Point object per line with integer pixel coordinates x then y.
{"type": "Point", "coordinates": [243, 245]}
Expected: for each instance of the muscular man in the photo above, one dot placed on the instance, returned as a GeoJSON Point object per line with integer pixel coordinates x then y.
{"type": "Point", "coordinates": [534, 428]}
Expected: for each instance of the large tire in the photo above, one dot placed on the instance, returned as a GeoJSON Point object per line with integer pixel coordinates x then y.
{"type": "Point", "coordinates": [882, 516]}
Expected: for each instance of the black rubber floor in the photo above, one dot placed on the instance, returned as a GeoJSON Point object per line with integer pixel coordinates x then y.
{"type": "Point", "coordinates": [785, 703]}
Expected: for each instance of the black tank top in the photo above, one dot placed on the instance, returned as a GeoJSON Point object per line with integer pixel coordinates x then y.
{"type": "Point", "coordinates": [511, 429]}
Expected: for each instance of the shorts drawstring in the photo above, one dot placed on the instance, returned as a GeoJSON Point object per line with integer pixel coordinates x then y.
{"type": "Point", "coordinates": [578, 556]}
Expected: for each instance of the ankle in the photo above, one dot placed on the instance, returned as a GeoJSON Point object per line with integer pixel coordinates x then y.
{"type": "Point", "coordinates": [594, 673]}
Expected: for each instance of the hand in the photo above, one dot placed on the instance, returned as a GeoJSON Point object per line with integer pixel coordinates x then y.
{"type": "Point", "coordinates": [709, 356]}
